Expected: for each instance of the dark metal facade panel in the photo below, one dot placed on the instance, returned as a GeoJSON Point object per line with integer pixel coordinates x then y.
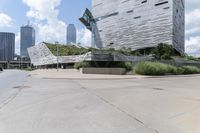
{"type": "Point", "coordinates": [7, 46]}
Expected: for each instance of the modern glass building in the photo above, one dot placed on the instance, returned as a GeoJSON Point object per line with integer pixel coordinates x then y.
{"type": "Point", "coordinates": [7, 46]}
{"type": "Point", "coordinates": [138, 24]}
{"type": "Point", "coordinates": [71, 34]}
{"type": "Point", "coordinates": [27, 40]}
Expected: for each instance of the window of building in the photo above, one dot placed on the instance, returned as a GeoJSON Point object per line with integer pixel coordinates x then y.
{"type": "Point", "coordinates": [130, 11]}
{"type": "Point", "coordinates": [144, 1]}
{"type": "Point", "coordinates": [106, 16]}
{"type": "Point", "coordinates": [137, 17]}
{"type": "Point", "coordinates": [166, 8]}
{"type": "Point", "coordinates": [161, 3]}
{"type": "Point", "coordinates": [125, 1]}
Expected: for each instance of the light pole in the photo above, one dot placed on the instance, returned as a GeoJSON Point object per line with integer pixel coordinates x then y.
{"type": "Point", "coordinates": [57, 53]}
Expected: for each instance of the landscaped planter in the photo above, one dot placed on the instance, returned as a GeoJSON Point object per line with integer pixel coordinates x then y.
{"type": "Point", "coordinates": [111, 71]}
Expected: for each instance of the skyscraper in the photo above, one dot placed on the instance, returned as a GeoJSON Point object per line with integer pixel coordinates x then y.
{"type": "Point", "coordinates": [7, 46]}
{"type": "Point", "coordinates": [27, 39]}
{"type": "Point", "coordinates": [139, 24]}
{"type": "Point", "coordinates": [71, 34]}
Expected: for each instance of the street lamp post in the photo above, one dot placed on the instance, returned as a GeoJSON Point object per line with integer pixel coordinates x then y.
{"type": "Point", "coordinates": [57, 43]}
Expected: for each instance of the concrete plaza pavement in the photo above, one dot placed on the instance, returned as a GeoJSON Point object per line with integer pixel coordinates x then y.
{"type": "Point", "coordinates": [11, 78]}
{"type": "Point", "coordinates": [69, 102]}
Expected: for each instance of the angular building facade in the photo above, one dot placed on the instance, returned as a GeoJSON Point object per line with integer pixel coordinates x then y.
{"type": "Point", "coordinates": [71, 34]}
{"type": "Point", "coordinates": [7, 46]}
{"type": "Point", "coordinates": [27, 40]}
{"type": "Point", "coordinates": [138, 24]}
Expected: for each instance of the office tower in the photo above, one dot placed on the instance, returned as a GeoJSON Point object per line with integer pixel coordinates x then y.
{"type": "Point", "coordinates": [139, 24]}
{"type": "Point", "coordinates": [71, 34]}
{"type": "Point", "coordinates": [7, 46]}
{"type": "Point", "coordinates": [27, 39]}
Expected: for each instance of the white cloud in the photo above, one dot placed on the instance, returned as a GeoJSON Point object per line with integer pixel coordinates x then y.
{"type": "Point", "coordinates": [192, 32]}
{"type": "Point", "coordinates": [193, 46]}
{"type": "Point", "coordinates": [17, 43]}
{"type": "Point", "coordinates": [192, 22]}
{"type": "Point", "coordinates": [193, 17]}
{"type": "Point", "coordinates": [45, 16]}
{"type": "Point", "coordinates": [43, 9]}
{"type": "Point", "coordinates": [5, 20]}
{"type": "Point", "coordinates": [49, 27]}
{"type": "Point", "coordinates": [84, 37]}
{"type": "Point", "coordinates": [192, 4]}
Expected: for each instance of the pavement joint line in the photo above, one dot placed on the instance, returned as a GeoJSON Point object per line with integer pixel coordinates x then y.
{"type": "Point", "coordinates": [92, 78]}
{"type": "Point", "coordinates": [184, 113]}
{"type": "Point", "coordinates": [142, 98]}
{"type": "Point", "coordinates": [119, 109]}
{"type": "Point", "coordinates": [128, 78]}
{"type": "Point", "coordinates": [10, 98]}
{"type": "Point", "coordinates": [173, 76]}
{"type": "Point", "coordinates": [36, 103]}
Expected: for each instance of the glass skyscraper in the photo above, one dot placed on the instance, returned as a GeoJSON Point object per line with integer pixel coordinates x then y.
{"type": "Point", "coordinates": [27, 40]}
{"type": "Point", "coordinates": [7, 46]}
{"type": "Point", "coordinates": [71, 34]}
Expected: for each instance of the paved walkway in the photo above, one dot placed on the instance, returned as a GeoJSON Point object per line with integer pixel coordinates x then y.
{"type": "Point", "coordinates": [75, 74]}
{"type": "Point", "coordinates": [56, 103]}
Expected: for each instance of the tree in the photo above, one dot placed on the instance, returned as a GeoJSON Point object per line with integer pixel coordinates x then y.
{"type": "Point", "coordinates": [163, 51]}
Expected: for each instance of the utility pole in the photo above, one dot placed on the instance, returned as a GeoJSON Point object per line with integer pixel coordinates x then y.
{"type": "Point", "coordinates": [57, 43]}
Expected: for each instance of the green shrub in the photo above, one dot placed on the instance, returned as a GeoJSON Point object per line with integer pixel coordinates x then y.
{"type": "Point", "coordinates": [127, 65]}
{"type": "Point", "coordinates": [154, 68]}
{"type": "Point", "coordinates": [165, 56]}
{"type": "Point", "coordinates": [79, 65]}
{"type": "Point", "coordinates": [180, 71]}
{"type": "Point", "coordinates": [192, 58]}
{"type": "Point", "coordinates": [190, 70]}
{"type": "Point", "coordinates": [27, 69]}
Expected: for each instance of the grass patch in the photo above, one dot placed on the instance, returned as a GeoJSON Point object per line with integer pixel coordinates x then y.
{"type": "Point", "coordinates": [127, 65]}
{"type": "Point", "coordinates": [156, 68]}
{"type": "Point", "coordinates": [66, 50]}
{"type": "Point", "coordinates": [26, 69]}
{"type": "Point", "coordinates": [189, 70]}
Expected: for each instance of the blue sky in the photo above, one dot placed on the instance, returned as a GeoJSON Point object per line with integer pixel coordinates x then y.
{"type": "Point", "coordinates": [70, 11]}
{"type": "Point", "coordinates": [50, 18]}
{"type": "Point", "coordinates": [16, 10]}
{"type": "Point", "coordinates": [73, 9]}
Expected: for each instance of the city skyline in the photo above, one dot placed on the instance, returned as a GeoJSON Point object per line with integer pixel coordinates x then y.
{"type": "Point", "coordinates": [65, 12]}
{"type": "Point", "coordinates": [71, 34]}
{"type": "Point", "coordinates": [52, 19]}
{"type": "Point", "coordinates": [7, 46]}
{"type": "Point", "coordinates": [27, 39]}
